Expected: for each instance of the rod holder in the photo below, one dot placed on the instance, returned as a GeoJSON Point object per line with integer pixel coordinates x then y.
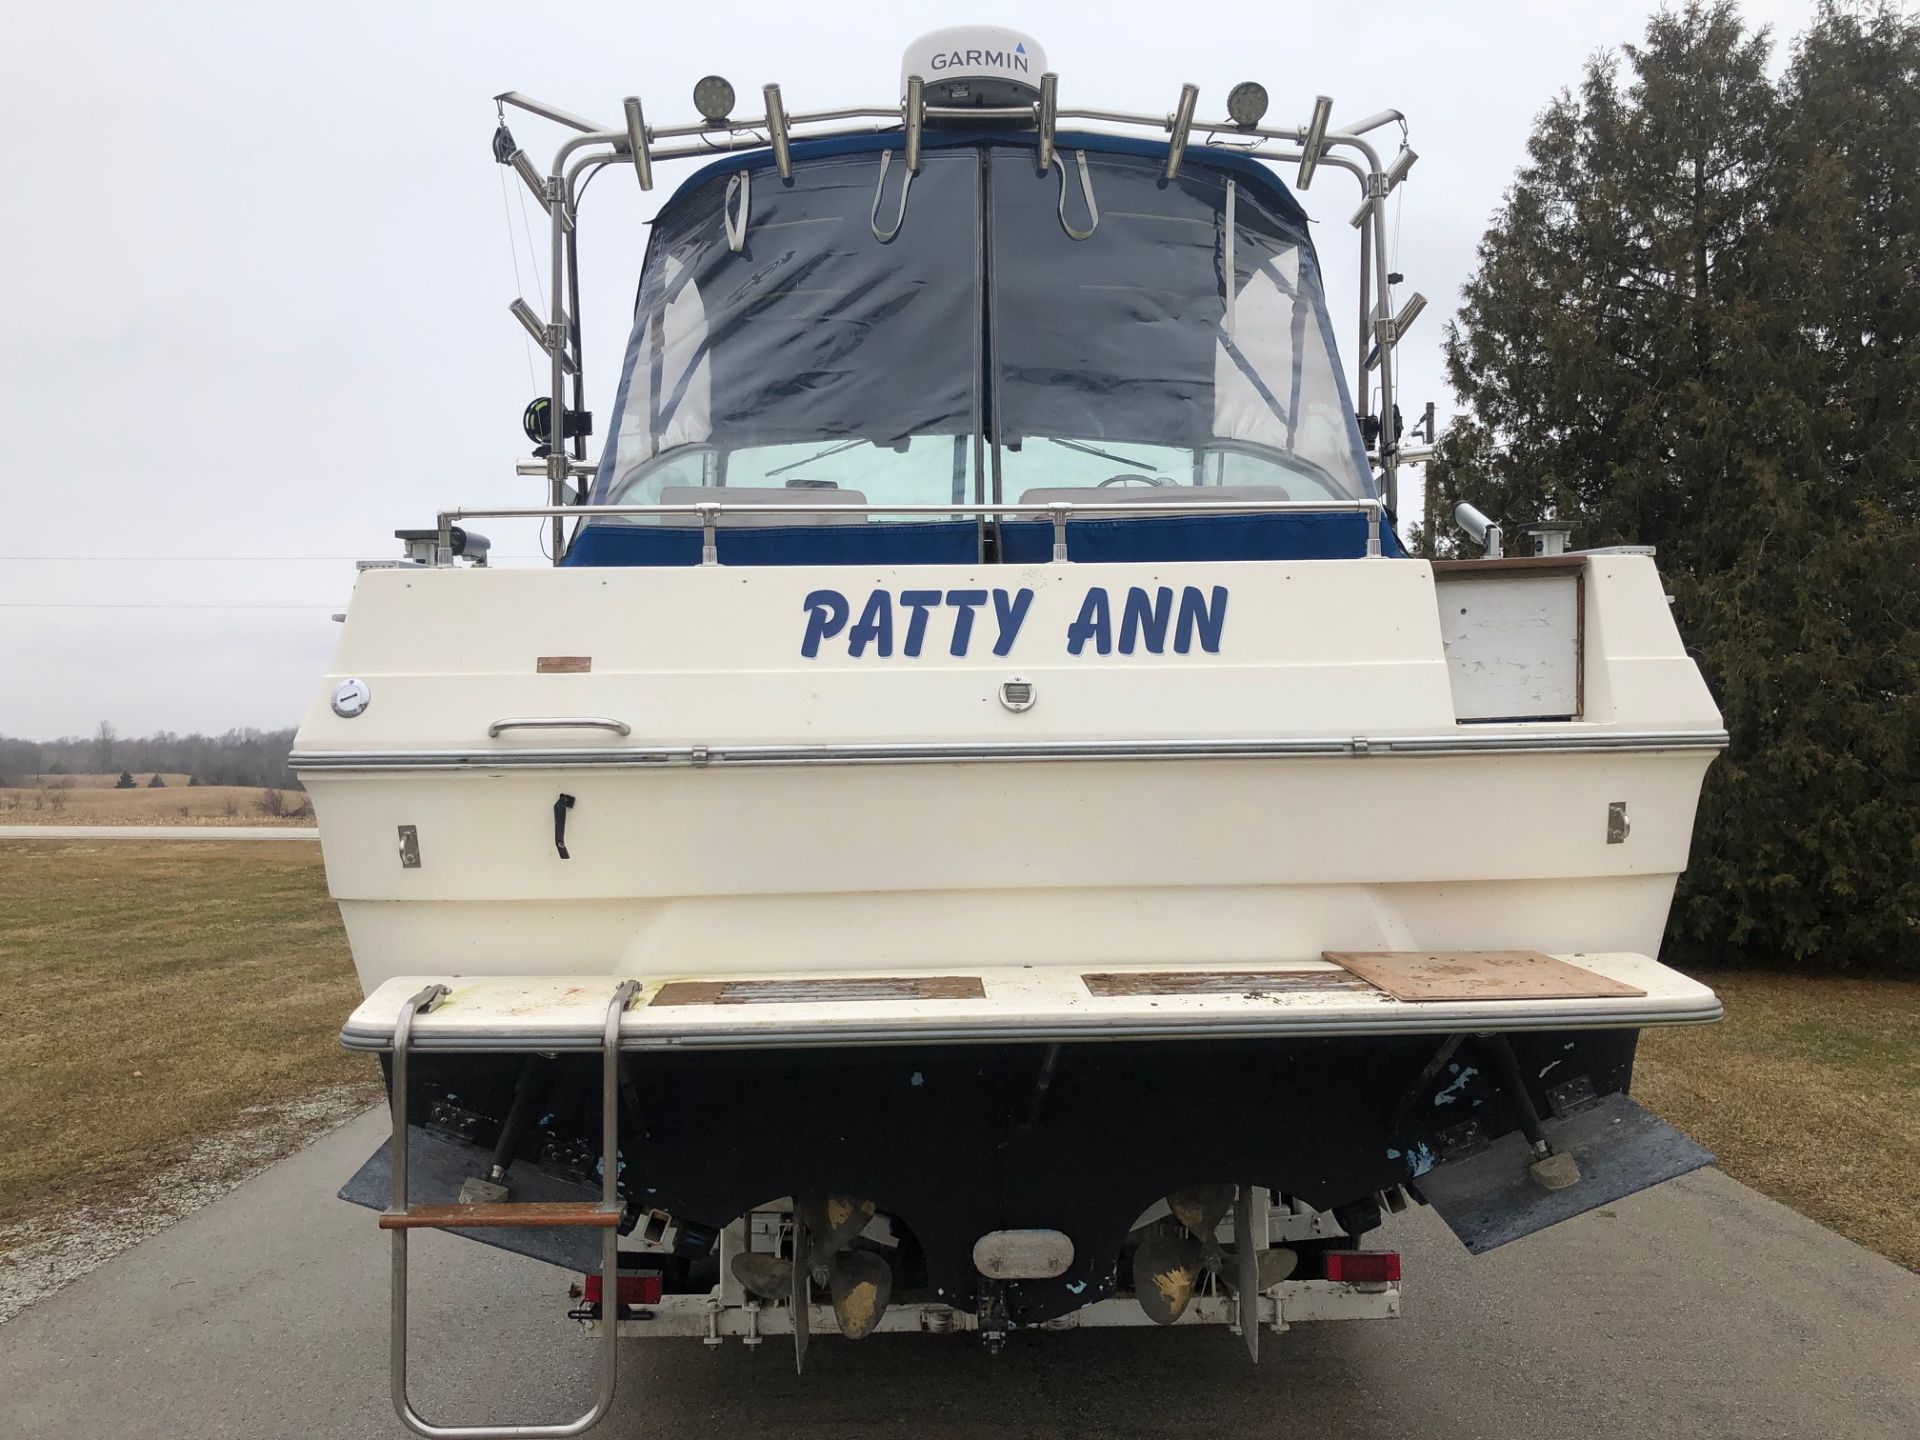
{"type": "Point", "coordinates": [543, 336]}
{"type": "Point", "coordinates": [777, 131]}
{"type": "Point", "coordinates": [1409, 312]}
{"type": "Point", "coordinates": [1482, 530]}
{"type": "Point", "coordinates": [1402, 163]}
{"type": "Point", "coordinates": [1047, 120]}
{"type": "Point", "coordinates": [637, 142]}
{"type": "Point", "coordinates": [1314, 140]}
{"type": "Point", "coordinates": [1180, 125]}
{"type": "Point", "coordinates": [915, 115]}
{"type": "Point", "coordinates": [527, 171]}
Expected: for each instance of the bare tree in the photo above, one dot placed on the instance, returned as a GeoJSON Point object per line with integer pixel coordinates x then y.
{"type": "Point", "coordinates": [103, 739]}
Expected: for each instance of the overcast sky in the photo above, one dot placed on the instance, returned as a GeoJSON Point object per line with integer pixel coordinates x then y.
{"type": "Point", "coordinates": [257, 267]}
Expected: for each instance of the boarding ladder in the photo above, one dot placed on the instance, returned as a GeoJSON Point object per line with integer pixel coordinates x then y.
{"type": "Point", "coordinates": [402, 1218]}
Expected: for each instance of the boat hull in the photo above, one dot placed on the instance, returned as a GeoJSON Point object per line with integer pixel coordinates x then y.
{"type": "Point", "coordinates": [956, 1142]}
{"type": "Point", "coordinates": [693, 872]}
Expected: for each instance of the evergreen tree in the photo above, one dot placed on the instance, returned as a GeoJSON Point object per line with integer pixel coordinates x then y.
{"type": "Point", "coordinates": [1694, 325]}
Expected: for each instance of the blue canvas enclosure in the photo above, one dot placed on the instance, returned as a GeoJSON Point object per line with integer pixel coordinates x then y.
{"type": "Point", "coordinates": [985, 333]}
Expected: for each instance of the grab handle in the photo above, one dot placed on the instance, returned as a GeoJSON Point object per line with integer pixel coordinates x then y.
{"type": "Point", "coordinates": [558, 722]}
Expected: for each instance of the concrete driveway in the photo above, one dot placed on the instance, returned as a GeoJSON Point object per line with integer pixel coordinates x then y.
{"type": "Point", "coordinates": [1697, 1310]}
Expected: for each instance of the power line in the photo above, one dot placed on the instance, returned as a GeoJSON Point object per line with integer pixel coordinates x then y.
{"type": "Point", "coordinates": [202, 559]}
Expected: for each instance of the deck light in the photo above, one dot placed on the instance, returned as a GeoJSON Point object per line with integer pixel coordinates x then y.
{"type": "Point", "coordinates": [1047, 119]}
{"type": "Point", "coordinates": [777, 131]}
{"type": "Point", "coordinates": [1402, 163]}
{"type": "Point", "coordinates": [713, 98]}
{"type": "Point", "coordinates": [523, 312]}
{"type": "Point", "coordinates": [1247, 103]}
{"type": "Point", "coordinates": [1312, 142]}
{"type": "Point", "coordinates": [1179, 124]}
{"type": "Point", "coordinates": [637, 141]}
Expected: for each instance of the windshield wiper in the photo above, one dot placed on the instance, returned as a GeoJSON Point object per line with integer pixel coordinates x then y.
{"type": "Point", "coordinates": [1146, 465]}
{"type": "Point", "coordinates": [831, 450]}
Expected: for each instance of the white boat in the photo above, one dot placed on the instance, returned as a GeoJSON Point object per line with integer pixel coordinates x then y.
{"type": "Point", "coordinates": [983, 786]}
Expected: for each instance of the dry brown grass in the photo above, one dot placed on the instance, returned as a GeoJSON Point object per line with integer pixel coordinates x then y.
{"type": "Point", "coordinates": [154, 992]}
{"type": "Point", "coordinates": [1809, 1091]}
{"type": "Point", "coordinates": [90, 804]}
{"type": "Point", "coordinates": [100, 780]}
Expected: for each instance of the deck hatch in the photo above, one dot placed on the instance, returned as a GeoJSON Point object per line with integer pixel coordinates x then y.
{"type": "Point", "coordinates": [831, 989]}
{"type": "Point", "coordinates": [1218, 982]}
{"type": "Point", "coordinates": [1416, 975]}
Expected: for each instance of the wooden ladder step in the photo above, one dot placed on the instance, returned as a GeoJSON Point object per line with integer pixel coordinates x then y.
{"type": "Point", "coordinates": [531, 1215]}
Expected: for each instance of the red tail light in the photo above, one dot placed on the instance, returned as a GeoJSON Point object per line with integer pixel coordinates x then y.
{"type": "Point", "coordinates": [1364, 1267]}
{"type": "Point", "coordinates": [634, 1289]}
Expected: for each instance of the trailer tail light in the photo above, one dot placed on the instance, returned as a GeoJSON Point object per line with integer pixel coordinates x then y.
{"type": "Point", "coordinates": [1364, 1267]}
{"type": "Point", "coordinates": [634, 1289]}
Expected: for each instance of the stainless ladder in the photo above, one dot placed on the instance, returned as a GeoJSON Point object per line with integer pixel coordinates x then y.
{"type": "Point", "coordinates": [402, 1218]}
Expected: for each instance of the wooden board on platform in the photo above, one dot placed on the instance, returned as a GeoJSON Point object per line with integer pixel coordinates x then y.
{"type": "Point", "coordinates": [824, 989]}
{"type": "Point", "coordinates": [1416, 975]}
{"type": "Point", "coordinates": [1217, 982]}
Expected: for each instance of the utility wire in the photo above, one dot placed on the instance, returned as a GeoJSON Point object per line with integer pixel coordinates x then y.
{"type": "Point", "coordinates": [201, 559]}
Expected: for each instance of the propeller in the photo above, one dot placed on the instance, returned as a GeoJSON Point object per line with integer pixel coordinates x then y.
{"type": "Point", "coordinates": [860, 1283]}
{"type": "Point", "coordinates": [1201, 1208]}
{"type": "Point", "coordinates": [833, 1222]}
{"type": "Point", "coordinates": [1166, 1268]}
{"type": "Point", "coordinates": [765, 1277]}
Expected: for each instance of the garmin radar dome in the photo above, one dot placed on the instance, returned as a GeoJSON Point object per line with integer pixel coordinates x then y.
{"type": "Point", "coordinates": [976, 65]}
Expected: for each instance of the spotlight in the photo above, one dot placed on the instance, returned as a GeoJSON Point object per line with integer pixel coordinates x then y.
{"type": "Point", "coordinates": [1246, 103]}
{"type": "Point", "coordinates": [713, 98]}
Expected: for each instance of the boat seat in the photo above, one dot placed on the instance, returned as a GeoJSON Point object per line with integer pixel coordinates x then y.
{"type": "Point", "coordinates": [760, 495]}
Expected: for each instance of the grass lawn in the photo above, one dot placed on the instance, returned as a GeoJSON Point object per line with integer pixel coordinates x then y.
{"type": "Point", "coordinates": [1809, 1091]}
{"type": "Point", "coordinates": [154, 991]}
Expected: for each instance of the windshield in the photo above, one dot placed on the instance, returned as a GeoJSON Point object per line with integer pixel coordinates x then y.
{"type": "Point", "coordinates": [819, 363]}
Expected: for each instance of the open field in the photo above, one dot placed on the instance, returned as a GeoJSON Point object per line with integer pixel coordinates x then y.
{"type": "Point", "coordinates": [156, 992]}
{"type": "Point", "coordinates": [83, 803]}
{"type": "Point", "coordinates": [161, 993]}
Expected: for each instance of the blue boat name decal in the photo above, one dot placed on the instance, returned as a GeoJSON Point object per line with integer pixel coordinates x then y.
{"type": "Point", "coordinates": [1141, 621]}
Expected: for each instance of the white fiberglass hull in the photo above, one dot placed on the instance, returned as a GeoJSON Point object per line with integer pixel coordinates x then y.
{"type": "Point", "coordinates": [1305, 785]}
